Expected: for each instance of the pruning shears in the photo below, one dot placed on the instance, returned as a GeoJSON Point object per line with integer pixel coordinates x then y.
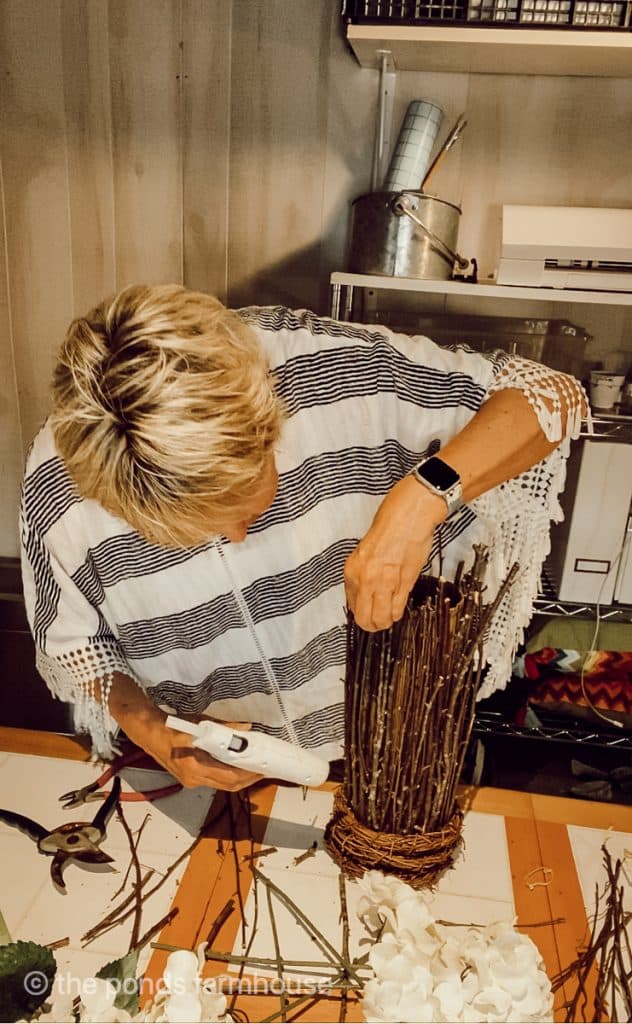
{"type": "Point", "coordinates": [80, 841]}
{"type": "Point", "coordinates": [76, 797]}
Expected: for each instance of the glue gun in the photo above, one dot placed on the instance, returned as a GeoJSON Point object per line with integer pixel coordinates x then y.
{"type": "Point", "coordinates": [255, 752]}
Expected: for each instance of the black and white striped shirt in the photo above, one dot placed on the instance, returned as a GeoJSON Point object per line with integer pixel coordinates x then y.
{"type": "Point", "coordinates": [363, 405]}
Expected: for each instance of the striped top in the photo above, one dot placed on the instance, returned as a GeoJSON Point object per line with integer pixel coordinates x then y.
{"type": "Point", "coordinates": [363, 404]}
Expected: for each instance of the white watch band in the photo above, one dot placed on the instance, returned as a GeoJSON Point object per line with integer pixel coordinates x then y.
{"type": "Point", "coordinates": [453, 496]}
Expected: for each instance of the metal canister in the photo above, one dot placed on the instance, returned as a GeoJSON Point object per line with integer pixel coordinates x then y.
{"type": "Point", "coordinates": [404, 234]}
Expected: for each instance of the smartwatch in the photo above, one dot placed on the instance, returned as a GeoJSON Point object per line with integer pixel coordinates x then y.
{"type": "Point", "coordinates": [441, 479]}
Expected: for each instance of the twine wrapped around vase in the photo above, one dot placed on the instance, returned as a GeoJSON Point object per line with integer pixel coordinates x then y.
{"type": "Point", "coordinates": [419, 859]}
{"type": "Point", "coordinates": [410, 695]}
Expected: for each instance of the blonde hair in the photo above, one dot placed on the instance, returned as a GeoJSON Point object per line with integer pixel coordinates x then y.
{"type": "Point", "coordinates": [164, 411]}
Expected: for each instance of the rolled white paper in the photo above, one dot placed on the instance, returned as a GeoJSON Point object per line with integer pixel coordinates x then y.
{"type": "Point", "coordinates": [411, 156]}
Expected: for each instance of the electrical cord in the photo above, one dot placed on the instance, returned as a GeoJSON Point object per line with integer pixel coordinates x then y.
{"type": "Point", "coordinates": [593, 645]}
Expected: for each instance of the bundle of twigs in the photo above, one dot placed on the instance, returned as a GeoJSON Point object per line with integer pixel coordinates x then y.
{"type": "Point", "coordinates": [602, 973]}
{"type": "Point", "coordinates": [410, 693]}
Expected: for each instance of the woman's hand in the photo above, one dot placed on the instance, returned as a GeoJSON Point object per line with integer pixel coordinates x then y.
{"type": "Point", "coordinates": [382, 570]}
{"type": "Point", "coordinates": [144, 724]}
{"type": "Point", "coordinates": [191, 766]}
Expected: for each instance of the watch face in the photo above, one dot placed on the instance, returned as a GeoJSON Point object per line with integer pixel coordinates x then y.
{"type": "Point", "coordinates": [439, 474]}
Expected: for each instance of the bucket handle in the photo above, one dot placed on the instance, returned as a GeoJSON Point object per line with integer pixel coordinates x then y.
{"type": "Point", "coordinates": [402, 206]}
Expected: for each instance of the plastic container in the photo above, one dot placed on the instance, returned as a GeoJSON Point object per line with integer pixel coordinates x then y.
{"type": "Point", "coordinates": [605, 389]}
{"type": "Point", "coordinates": [556, 343]}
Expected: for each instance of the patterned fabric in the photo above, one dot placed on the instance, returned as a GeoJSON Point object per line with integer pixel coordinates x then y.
{"type": "Point", "coordinates": [557, 675]}
{"type": "Point", "coordinates": [569, 695]}
{"type": "Point", "coordinates": [540, 664]}
{"type": "Point", "coordinates": [256, 631]}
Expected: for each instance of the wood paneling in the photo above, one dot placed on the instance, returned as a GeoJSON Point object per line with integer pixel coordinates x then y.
{"type": "Point", "coordinates": [36, 197]}
{"type": "Point", "coordinates": [279, 84]}
{"type": "Point", "coordinates": [206, 50]}
{"type": "Point", "coordinates": [88, 127]}
{"type": "Point", "coordinates": [348, 155]}
{"type": "Point", "coordinates": [145, 68]}
{"type": "Point", "coordinates": [540, 141]}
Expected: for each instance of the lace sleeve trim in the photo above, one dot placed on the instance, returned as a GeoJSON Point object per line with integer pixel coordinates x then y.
{"type": "Point", "coordinates": [515, 517]}
{"type": "Point", "coordinates": [545, 390]}
{"type": "Point", "coordinates": [73, 675]}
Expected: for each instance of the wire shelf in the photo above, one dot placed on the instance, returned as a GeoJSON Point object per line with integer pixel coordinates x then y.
{"type": "Point", "coordinates": [492, 724]}
{"type": "Point", "coordinates": [548, 603]}
{"type": "Point", "coordinates": [570, 14]}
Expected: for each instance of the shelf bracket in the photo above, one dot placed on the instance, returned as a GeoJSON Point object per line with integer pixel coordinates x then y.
{"type": "Point", "coordinates": [384, 126]}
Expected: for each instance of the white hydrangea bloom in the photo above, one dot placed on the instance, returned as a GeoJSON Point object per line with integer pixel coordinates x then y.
{"type": "Point", "coordinates": [424, 971]}
{"type": "Point", "coordinates": [380, 896]}
{"type": "Point", "coordinates": [185, 999]}
{"type": "Point", "coordinates": [182, 997]}
{"type": "Point", "coordinates": [395, 1001]}
{"type": "Point", "coordinates": [97, 999]}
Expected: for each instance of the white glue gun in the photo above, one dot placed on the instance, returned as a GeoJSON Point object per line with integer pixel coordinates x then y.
{"type": "Point", "coordinates": [255, 752]}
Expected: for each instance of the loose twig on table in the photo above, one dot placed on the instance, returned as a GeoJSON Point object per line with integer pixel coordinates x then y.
{"type": "Point", "coordinates": [131, 863]}
{"type": "Point", "coordinates": [220, 920]}
{"type": "Point", "coordinates": [137, 885]}
{"type": "Point", "coordinates": [120, 914]}
{"type": "Point", "coordinates": [606, 953]}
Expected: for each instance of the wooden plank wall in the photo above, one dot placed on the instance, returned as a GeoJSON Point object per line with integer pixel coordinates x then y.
{"type": "Point", "coordinates": [218, 143]}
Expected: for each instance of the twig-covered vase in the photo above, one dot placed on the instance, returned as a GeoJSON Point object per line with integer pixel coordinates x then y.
{"type": "Point", "coordinates": [410, 695]}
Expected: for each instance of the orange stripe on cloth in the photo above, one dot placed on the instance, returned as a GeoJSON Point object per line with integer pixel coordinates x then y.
{"type": "Point", "coordinates": [533, 908]}
{"type": "Point", "coordinates": [534, 846]}
{"type": "Point", "coordinates": [211, 881]}
{"type": "Point", "coordinates": [203, 873]}
{"type": "Point", "coordinates": [252, 999]}
{"type": "Point", "coordinates": [567, 901]}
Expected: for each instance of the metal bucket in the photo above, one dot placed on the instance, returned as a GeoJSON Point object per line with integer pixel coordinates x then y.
{"type": "Point", "coordinates": [404, 234]}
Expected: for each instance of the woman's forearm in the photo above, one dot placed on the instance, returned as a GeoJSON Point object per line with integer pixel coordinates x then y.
{"type": "Point", "coordinates": [503, 440]}
{"type": "Point", "coordinates": [145, 725]}
{"type": "Point", "coordinates": [500, 442]}
{"type": "Point", "coordinates": [134, 711]}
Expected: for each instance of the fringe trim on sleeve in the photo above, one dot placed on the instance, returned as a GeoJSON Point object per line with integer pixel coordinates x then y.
{"type": "Point", "coordinates": [544, 388]}
{"type": "Point", "coordinates": [72, 676]}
